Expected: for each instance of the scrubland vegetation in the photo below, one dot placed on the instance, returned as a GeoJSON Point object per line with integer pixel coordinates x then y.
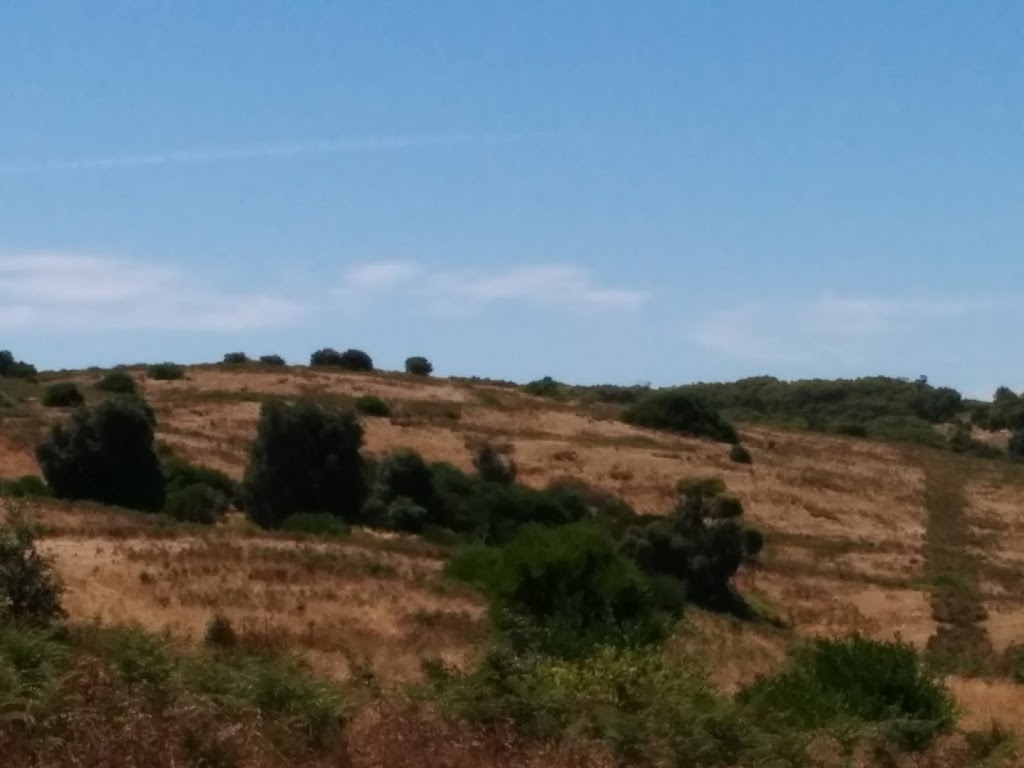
{"type": "Point", "coordinates": [247, 565]}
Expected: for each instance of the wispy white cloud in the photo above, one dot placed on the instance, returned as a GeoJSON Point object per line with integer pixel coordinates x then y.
{"type": "Point", "coordinates": [823, 327]}
{"type": "Point", "coordinates": [553, 285]}
{"type": "Point", "coordinates": [84, 292]}
{"type": "Point", "coordinates": [263, 151]}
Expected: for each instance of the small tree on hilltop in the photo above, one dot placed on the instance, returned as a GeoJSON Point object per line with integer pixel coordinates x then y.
{"type": "Point", "coordinates": [355, 360]}
{"type": "Point", "coordinates": [235, 358]}
{"type": "Point", "coordinates": [106, 454]}
{"type": "Point", "coordinates": [418, 366]}
{"type": "Point", "coordinates": [305, 459]}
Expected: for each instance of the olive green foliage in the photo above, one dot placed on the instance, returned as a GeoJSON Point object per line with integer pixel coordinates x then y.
{"type": "Point", "coordinates": [305, 458]}
{"type": "Point", "coordinates": [235, 358]}
{"type": "Point", "coordinates": [165, 372]}
{"type": "Point", "coordinates": [62, 394]}
{"type": "Point", "coordinates": [831, 681]}
{"type": "Point", "coordinates": [701, 543]}
{"type": "Point", "coordinates": [274, 360]}
{"type": "Point", "coordinates": [492, 467]}
{"type": "Point", "coordinates": [404, 496]}
{"type": "Point", "coordinates": [418, 366]}
{"type": "Point", "coordinates": [546, 387]}
{"type": "Point", "coordinates": [1006, 411]}
{"type": "Point", "coordinates": [599, 393]}
{"type": "Point", "coordinates": [349, 360]}
{"type": "Point", "coordinates": [960, 440]}
{"type": "Point", "coordinates": [30, 590]}
{"type": "Point", "coordinates": [371, 405]}
{"type": "Point", "coordinates": [119, 383]}
{"type": "Point", "coordinates": [24, 487]}
{"type": "Point", "coordinates": [315, 524]}
{"type": "Point", "coordinates": [195, 504]}
{"type": "Point", "coordinates": [740, 455]}
{"type": "Point", "coordinates": [567, 589]}
{"type": "Point", "coordinates": [15, 369]}
{"type": "Point", "coordinates": [105, 453]}
{"type": "Point", "coordinates": [677, 411]}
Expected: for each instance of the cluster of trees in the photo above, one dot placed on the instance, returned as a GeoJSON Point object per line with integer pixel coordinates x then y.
{"type": "Point", "coordinates": [15, 369]}
{"type": "Point", "coordinates": [357, 360]}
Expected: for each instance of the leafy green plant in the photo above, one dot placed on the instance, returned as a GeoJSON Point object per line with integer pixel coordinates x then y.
{"type": "Point", "coordinates": [418, 366]}
{"type": "Point", "coordinates": [26, 486]}
{"type": "Point", "coordinates": [63, 394]}
{"type": "Point", "coordinates": [119, 383]}
{"type": "Point", "coordinates": [30, 590]}
{"type": "Point", "coordinates": [165, 372]}
{"type": "Point", "coordinates": [371, 405]}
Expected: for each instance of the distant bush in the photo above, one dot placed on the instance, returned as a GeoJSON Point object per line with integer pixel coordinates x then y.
{"type": "Point", "coordinates": [62, 394]}
{"type": "Point", "coordinates": [545, 387]}
{"type": "Point", "coordinates": [675, 411]}
{"type": "Point", "coordinates": [492, 467]}
{"type": "Point", "coordinates": [315, 524]}
{"type": "Point", "coordinates": [15, 369]}
{"type": "Point", "coordinates": [740, 455]}
{"type": "Point", "coordinates": [30, 590]}
{"type": "Point", "coordinates": [350, 359]}
{"type": "Point", "coordinates": [830, 681]}
{"type": "Point", "coordinates": [27, 486]}
{"type": "Point", "coordinates": [305, 458]}
{"type": "Point", "coordinates": [572, 588]}
{"type": "Point", "coordinates": [180, 473]}
{"type": "Point", "coordinates": [106, 454]}
{"type": "Point", "coordinates": [235, 358]}
{"type": "Point", "coordinates": [418, 366]}
{"type": "Point", "coordinates": [165, 372]}
{"type": "Point", "coordinates": [371, 405]}
{"type": "Point", "coordinates": [701, 543]}
{"type": "Point", "coordinates": [195, 504]}
{"type": "Point", "coordinates": [275, 360]}
{"type": "Point", "coordinates": [118, 383]}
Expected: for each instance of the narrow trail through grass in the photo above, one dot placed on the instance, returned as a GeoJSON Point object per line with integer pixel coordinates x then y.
{"type": "Point", "coordinates": [961, 642]}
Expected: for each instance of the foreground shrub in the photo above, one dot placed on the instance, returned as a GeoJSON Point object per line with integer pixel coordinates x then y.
{"type": "Point", "coordinates": [63, 394]}
{"type": "Point", "coordinates": [371, 405]}
{"type": "Point", "coordinates": [829, 682]}
{"type": "Point", "coordinates": [566, 590]}
{"type": "Point", "coordinates": [305, 458]}
{"type": "Point", "coordinates": [165, 372]}
{"type": "Point", "coordinates": [418, 366]}
{"type": "Point", "coordinates": [118, 382]}
{"type": "Point", "coordinates": [274, 360]}
{"type": "Point", "coordinates": [30, 590]}
{"type": "Point", "coordinates": [105, 453]}
{"type": "Point", "coordinates": [674, 411]}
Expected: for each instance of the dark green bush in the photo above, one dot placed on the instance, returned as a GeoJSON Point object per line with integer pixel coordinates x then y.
{"type": "Point", "coordinates": [829, 682]}
{"type": "Point", "coordinates": [220, 634]}
{"type": "Point", "coordinates": [371, 405]}
{"type": "Point", "coordinates": [106, 454]}
{"type": "Point", "coordinates": [740, 455]}
{"type": "Point", "coordinates": [63, 394]}
{"type": "Point", "coordinates": [403, 474]}
{"type": "Point", "coordinates": [119, 383]}
{"type": "Point", "coordinates": [546, 387]}
{"type": "Point", "coordinates": [274, 360]}
{"type": "Point", "coordinates": [235, 358]}
{"type": "Point", "coordinates": [165, 372]}
{"type": "Point", "coordinates": [27, 486]}
{"type": "Point", "coordinates": [30, 589]}
{"type": "Point", "coordinates": [195, 504]}
{"type": "Point", "coordinates": [305, 458]}
{"type": "Point", "coordinates": [350, 359]}
{"type": "Point", "coordinates": [418, 366]}
{"type": "Point", "coordinates": [702, 542]}
{"type": "Point", "coordinates": [315, 524]}
{"type": "Point", "coordinates": [15, 369]}
{"type": "Point", "coordinates": [675, 411]}
{"type": "Point", "coordinates": [180, 473]}
{"type": "Point", "coordinates": [492, 467]}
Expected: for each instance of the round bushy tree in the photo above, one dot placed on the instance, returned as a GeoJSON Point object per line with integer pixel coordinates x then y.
{"type": "Point", "coordinates": [274, 360]}
{"type": "Point", "coordinates": [350, 359]}
{"type": "Point", "coordinates": [106, 454]}
{"type": "Point", "coordinates": [418, 366]}
{"type": "Point", "coordinates": [235, 358]}
{"type": "Point", "coordinates": [62, 394]}
{"type": "Point", "coordinates": [305, 459]}
{"type": "Point", "coordinates": [119, 383]}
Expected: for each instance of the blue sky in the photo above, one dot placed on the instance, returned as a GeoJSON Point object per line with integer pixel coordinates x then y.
{"type": "Point", "coordinates": [599, 191]}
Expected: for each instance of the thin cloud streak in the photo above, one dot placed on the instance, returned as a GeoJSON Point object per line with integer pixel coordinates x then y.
{"type": "Point", "coordinates": [265, 151]}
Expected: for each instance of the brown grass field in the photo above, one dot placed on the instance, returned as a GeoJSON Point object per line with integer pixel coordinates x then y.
{"type": "Point", "coordinates": [858, 535]}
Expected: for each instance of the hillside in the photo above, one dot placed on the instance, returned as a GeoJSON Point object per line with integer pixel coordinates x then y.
{"type": "Point", "coordinates": [885, 539]}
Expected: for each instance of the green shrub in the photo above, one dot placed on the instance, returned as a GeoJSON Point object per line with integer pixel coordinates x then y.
{"type": "Point", "coordinates": [119, 383]}
{"type": "Point", "coordinates": [26, 486]}
{"type": "Point", "coordinates": [198, 503]}
{"type": "Point", "coordinates": [350, 359]}
{"type": "Point", "coordinates": [404, 496]}
{"type": "Point", "coordinates": [165, 372]}
{"type": "Point", "coordinates": [305, 458]}
{"type": "Point", "coordinates": [492, 467]}
{"type": "Point", "coordinates": [418, 366]}
{"type": "Point", "coordinates": [63, 394]}
{"type": "Point", "coordinates": [675, 411]}
{"type": "Point", "coordinates": [33, 665]}
{"type": "Point", "coordinates": [105, 453]}
{"type": "Point", "coordinates": [830, 682]}
{"type": "Point", "coordinates": [180, 473]}
{"type": "Point", "coordinates": [235, 358]}
{"type": "Point", "coordinates": [566, 590]}
{"type": "Point", "coordinates": [15, 369]}
{"type": "Point", "coordinates": [30, 590]}
{"type": "Point", "coordinates": [371, 405]}
{"type": "Point", "coordinates": [220, 634]}
{"type": "Point", "coordinates": [274, 360]}
{"type": "Point", "coordinates": [1013, 662]}
{"type": "Point", "coordinates": [315, 524]}
{"type": "Point", "coordinates": [740, 455]}
{"type": "Point", "coordinates": [546, 387]}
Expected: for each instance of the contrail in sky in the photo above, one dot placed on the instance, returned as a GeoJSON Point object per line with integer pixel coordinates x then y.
{"type": "Point", "coordinates": [267, 151]}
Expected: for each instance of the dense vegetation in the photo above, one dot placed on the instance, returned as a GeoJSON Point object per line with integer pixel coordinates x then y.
{"type": "Point", "coordinates": [674, 410]}
{"type": "Point", "coordinates": [349, 360]}
{"type": "Point", "coordinates": [13, 368]}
